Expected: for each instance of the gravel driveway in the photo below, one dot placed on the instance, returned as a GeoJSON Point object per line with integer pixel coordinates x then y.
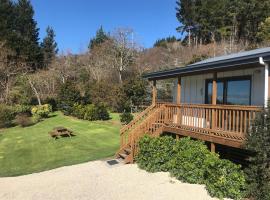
{"type": "Point", "coordinates": [98, 180]}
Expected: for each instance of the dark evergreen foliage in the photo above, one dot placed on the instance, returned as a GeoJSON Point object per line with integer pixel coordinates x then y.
{"type": "Point", "coordinates": [101, 36]}
{"type": "Point", "coordinates": [68, 95]}
{"type": "Point", "coordinates": [211, 20]}
{"type": "Point", "coordinates": [258, 172]}
{"type": "Point", "coordinates": [164, 41]}
{"type": "Point", "coordinates": [19, 31]}
{"type": "Point", "coordinates": [49, 46]}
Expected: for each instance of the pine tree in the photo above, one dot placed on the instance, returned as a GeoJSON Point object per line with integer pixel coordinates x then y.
{"type": "Point", "coordinates": [7, 21]}
{"type": "Point", "coordinates": [49, 46]}
{"type": "Point", "coordinates": [258, 172]}
{"type": "Point", "coordinates": [263, 34]}
{"type": "Point", "coordinates": [26, 43]}
{"type": "Point", "coordinates": [100, 37]}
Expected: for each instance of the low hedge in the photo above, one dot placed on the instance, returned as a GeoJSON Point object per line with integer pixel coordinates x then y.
{"type": "Point", "coordinates": [190, 161]}
{"type": "Point", "coordinates": [155, 153]}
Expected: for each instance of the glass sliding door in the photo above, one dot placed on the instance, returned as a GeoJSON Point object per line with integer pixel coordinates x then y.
{"type": "Point", "coordinates": [232, 91]}
{"type": "Point", "coordinates": [220, 92]}
{"type": "Point", "coordinates": [238, 92]}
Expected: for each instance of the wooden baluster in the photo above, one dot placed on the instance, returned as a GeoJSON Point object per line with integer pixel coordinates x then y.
{"type": "Point", "coordinates": [237, 121]}
{"type": "Point", "coordinates": [241, 121]}
{"type": "Point", "coordinates": [245, 122]}
{"type": "Point", "coordinates": [230, 119]}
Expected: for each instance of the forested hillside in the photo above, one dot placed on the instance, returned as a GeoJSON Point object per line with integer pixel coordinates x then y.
{"type": "Point", "coordinates": [33, 72]}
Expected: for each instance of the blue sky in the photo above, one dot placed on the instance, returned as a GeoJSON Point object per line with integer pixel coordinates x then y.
{"type": "Point", "coordinates": [76, 21]}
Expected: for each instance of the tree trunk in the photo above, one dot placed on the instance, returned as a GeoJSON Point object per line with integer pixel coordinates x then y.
{"type": "Point", "coordinates": [35, 91]}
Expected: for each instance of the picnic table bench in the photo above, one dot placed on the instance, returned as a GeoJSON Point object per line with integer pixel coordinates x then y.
{"type": "Point", "coordinates": [60, 131]}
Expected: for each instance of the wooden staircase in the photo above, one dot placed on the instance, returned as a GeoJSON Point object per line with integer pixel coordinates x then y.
{"type": "Point", "coordinates": [149, 122]}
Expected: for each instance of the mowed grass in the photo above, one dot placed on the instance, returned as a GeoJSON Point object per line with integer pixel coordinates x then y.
{"type": "Point", "coordinates": [31, 149]}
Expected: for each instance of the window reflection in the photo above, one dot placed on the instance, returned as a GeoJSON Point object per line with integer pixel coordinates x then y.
{"type": "Point", "coordinates": [238, 92]}
{"type": "Point", "coordinates": [230, 91]}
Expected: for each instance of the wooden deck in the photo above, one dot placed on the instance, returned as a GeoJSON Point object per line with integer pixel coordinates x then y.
{"type": "Point", "coordinates": [218, 124]}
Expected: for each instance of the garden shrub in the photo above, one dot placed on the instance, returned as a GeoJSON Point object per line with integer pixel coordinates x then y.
{"type": "Point", "coordinates": [23, 109]}
{"type": "Point", "coordinates": [102, 112]}
{"type": "Point", "coordinates": [155, 153]}
{"type": "Point", "coordinates": [90, 112]}
{"type": "Point", "coordinates": [258, 144]}
{"type": "Point", "coordinates": [225, 179]}
{"type": "Point", "coordinates": [126, 117]}
{"type": "Point", "coordinates": [68, 95]}
{"type": "Point", "coordinates": [7, 115]}
{"type": "Point", "coordinates": [23, 119]}
{"type": "Point", "coordinates": [78, 110]}
{"type": "Point", "coordinates": [191, 159]}
{"type": "Point", "coordinates": [42, 111]}
{"type": "Point", "coordinates": [51, 101]}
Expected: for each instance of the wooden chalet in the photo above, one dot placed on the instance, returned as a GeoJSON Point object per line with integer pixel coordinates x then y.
{"type": "Point", "coordinates": [214, 100]}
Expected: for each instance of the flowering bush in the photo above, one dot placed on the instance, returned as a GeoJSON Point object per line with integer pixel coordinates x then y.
{"type": "Point", "coordinates": [42, 111]}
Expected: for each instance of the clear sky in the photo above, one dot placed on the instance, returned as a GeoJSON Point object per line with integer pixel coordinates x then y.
{"type": "Point", "coordinates": [76, 21]}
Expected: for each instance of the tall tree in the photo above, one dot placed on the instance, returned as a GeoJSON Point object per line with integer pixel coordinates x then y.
{"type": "Point", "coordinates": [214, 20]}
{"type": "Point", "coordinates": [100, 37]}
{"type": "Point", "coordinates": [26, 43]}
{"type": "Point", "coordinates": [7, 20]}
{"type": "Point", "coordinates": [49, 46]}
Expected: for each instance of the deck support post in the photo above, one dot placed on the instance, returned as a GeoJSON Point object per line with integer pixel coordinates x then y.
{"type": "Point", "coordinates": [214, 99]}
{"type": "Point", "coordinates": [213, 147]}
{"type": "Point", "coordinates": [177, 137]}
{"type": "Point", "coordinates": [214, 102]}
{"type": "Point", "coordinates": [154, 92]}
{"type": "Point", "coordinates": [178, 100]}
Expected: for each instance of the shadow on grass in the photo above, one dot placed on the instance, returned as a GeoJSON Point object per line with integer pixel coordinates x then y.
{"type": "Point", "coordinates": [63, 136]}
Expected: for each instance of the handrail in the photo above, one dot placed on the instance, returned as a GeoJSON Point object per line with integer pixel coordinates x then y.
{"type": "Point", "coordinates": [219, 106]}
{"type": "Point", "coordinates": [136, 119]}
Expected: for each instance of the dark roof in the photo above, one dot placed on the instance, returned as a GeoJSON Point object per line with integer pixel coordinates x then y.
{"type": "Point", "coordinates": [221, 62]}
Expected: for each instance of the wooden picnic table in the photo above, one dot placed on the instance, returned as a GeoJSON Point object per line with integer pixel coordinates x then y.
{"type": "Point", "coordinates": [60, 131]}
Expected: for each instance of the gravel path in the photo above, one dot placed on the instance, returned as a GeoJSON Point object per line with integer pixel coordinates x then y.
{"type": "Point", "coordinates": [97, 180]}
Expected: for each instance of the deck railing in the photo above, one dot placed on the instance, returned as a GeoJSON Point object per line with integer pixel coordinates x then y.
{"type": "Point", "coordinates": [230, 121]}
{"type": "Point", "coordinates": [226, 122]}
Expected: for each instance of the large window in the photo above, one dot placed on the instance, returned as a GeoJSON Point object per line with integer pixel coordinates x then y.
{"type": "Point", "coordinates": [230, 91]}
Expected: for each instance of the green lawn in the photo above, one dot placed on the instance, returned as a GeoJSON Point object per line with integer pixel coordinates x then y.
{"type": "Point", "coordinates": [31, 149]}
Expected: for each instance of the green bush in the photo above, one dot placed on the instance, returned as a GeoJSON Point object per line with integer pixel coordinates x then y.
{"type": "Point", "coordinates": [191, 159]}
{"type": "Point", "coordinates": [7, 115]}
{"type": "Point", "coordinates": [225, 179]}
{"type": "Point", "coordinates": [78, 110]}
{"type": "Point", "coordinates": [67, 96]}
{"type": "Point", "coordinates": [102, 112]}
{"type": "Point", "coordinates": [42, 111]}
{"type": "Point", "coordinates": [155, 153]}
{"type": "Point", "coordinates": [51, 101]}
{"type": "Point", "coordinates": [23, 109]}
{"type": "Point", "coordinates": [90, 112]}
{"type": "Point", "coordinates": [126, 117]}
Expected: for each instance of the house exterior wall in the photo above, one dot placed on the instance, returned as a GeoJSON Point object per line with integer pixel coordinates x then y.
{"type": "Point", "coordinates": [193, 87]}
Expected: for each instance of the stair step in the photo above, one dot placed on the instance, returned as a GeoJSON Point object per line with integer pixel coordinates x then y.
{"type": "Point", "coordinates": [128, 150]}
{"type": "Point", "coordinates": [122, 155]}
